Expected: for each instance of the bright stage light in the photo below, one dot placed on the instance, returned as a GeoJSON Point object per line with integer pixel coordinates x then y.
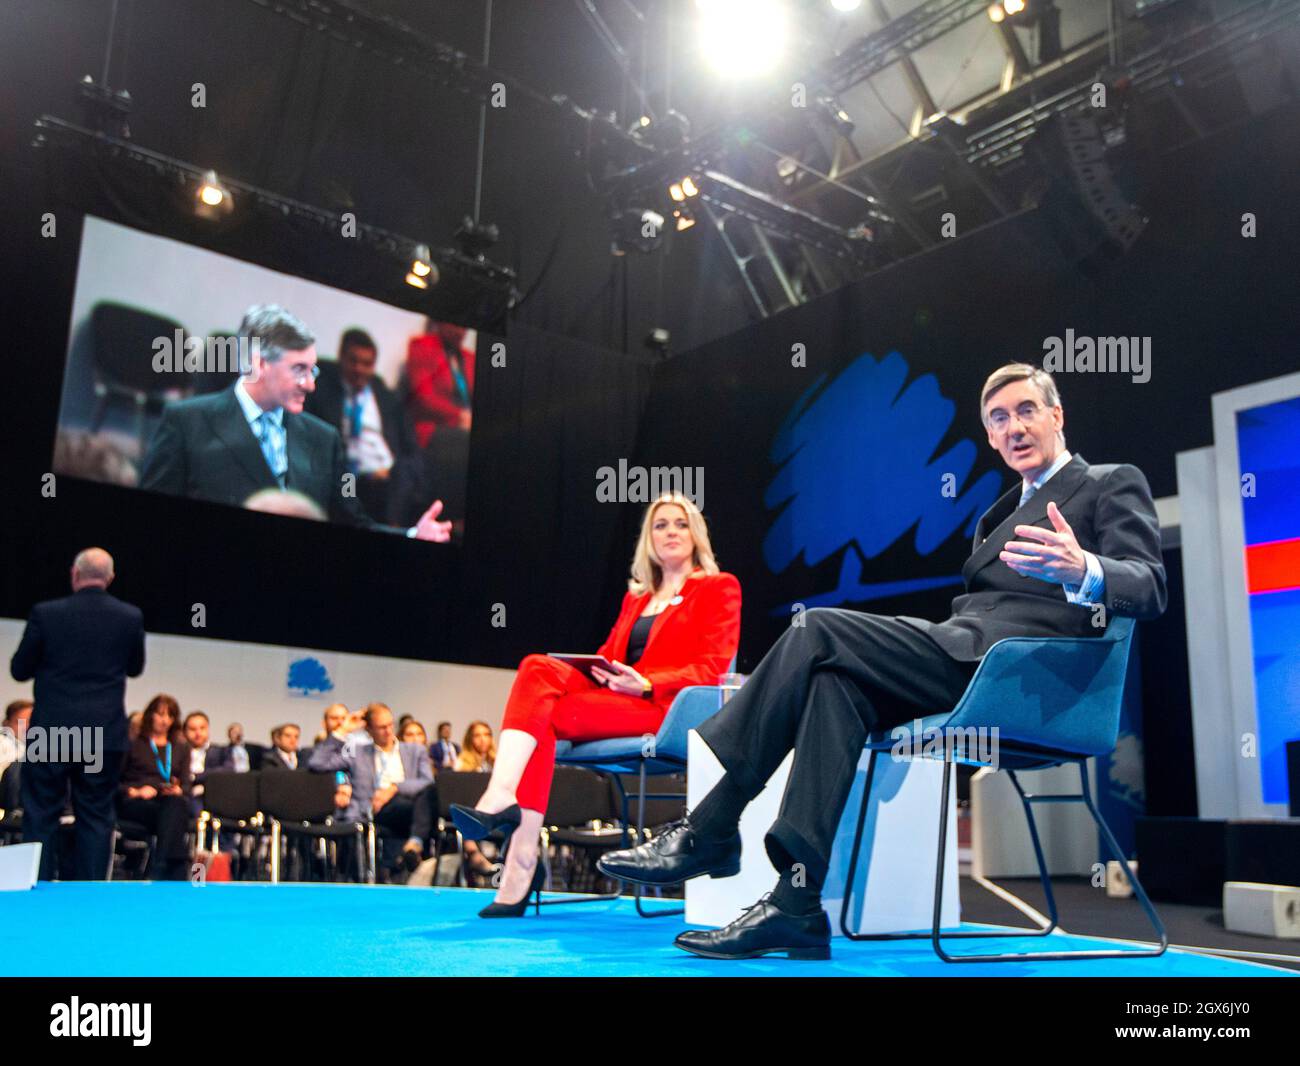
{"type": "Point", "coordinates": [742, 38]}
{"type": "Point", "coordinates": [676, 191]}
{"type": "Point", "coordinates": [421, 264]}
{"type": "Point", "coordinates": [996, 13]}
{"type": "Point", "coordinates": [1014, 7]}
{"type": "Point", "coordinates": [212, 200]}
{"type": "Point", "coordinates": [689, 187]}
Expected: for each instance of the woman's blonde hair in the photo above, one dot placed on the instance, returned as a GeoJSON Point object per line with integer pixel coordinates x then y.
{"type": "Point", "coordinates": [469, 759]}
{"type": "Point", "coordinates": [647, 574]}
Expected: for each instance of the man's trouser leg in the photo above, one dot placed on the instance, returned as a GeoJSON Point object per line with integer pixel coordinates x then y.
{"type": "Point", "coordinates": [93, 796]}
{"type": "Point", "coordinates": [45, 793]}
{"type": "Point", "coordinates": [818, 692]}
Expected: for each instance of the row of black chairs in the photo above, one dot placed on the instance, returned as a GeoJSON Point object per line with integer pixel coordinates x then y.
{"type": "Point", "coordinates": [584, 812]}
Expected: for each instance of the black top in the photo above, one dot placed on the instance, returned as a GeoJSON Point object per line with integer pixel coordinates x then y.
{"type": "Point", "coordinates": [636, 642]}
{"type": "Point", "coordinates": [141, 766]}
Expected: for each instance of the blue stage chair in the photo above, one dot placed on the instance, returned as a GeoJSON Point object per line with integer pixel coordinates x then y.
{"type": "Point", "coordinates": [661, 753]}
{"type": "Point", "coordinates": [1053, 700]}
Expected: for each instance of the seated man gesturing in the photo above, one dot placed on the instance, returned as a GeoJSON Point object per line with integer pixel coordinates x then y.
{"type": "Point", "coordinates": [1068, 537]}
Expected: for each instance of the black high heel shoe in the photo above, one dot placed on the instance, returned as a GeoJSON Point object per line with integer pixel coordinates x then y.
{"type": "Point", "coordinates": [475, 824]}
{"type": "Point", "coordinates": [516, 910]}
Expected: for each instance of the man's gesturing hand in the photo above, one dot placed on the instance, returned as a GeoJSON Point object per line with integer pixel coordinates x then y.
{"type": "Point", "coordinates": [429, 528]}
{"type": "Point", "coordinates": [1055, 555]}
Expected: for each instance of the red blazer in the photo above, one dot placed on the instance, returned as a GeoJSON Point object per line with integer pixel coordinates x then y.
{"type": "Point", "coordinates": [432, 387]}
{"type": "Point", "coordinates": [691, 643]}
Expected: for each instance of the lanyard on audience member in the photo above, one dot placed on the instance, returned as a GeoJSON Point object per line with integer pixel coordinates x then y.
{"type": "Point", "coordinates": [164, 770]}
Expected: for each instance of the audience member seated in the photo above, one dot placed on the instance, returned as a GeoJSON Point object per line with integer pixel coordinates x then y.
{"type": "Point", "coordinates": [332, 721]}
{"type": "Point", "coordinates": [444, 751]}
{"type": "Point", "coordinates": [480, 752]}
{"type": "Point", "coordinates": [440, 381]}
{"type": "Point", "coordinates": [242, 757]}
{"type": "Point", "coordinates": [284, 750]}
{"type": "Point", "coordinates": [392, 782]}
{"type": "Point", "coordinates": [413, 733]}
{"type": "Point", "coordinates": [12, 738]}
{"type": "Point", "coordinates": [376, 431]}
{"type": "Point", "coordinates": [154, 790]}
{"type": "Point", "coordinates": [205, 758]}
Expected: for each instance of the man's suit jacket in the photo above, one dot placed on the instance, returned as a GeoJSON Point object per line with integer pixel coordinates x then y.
{"type": "Point", "coordinates": [356, 757]}
{"type": "Point", "coordinates": [205, 449]}
{"type": "Point", "coordinates": [444, 753]}
{"type": "Point", "coordinates": [80, 650]}
{"type": "Point", "coordinates": [274, 760]}
{"type": "Point", "coordinates": [691, 643]}
{"type": "Point", "coordinates": [326, 403]}
{"type": "Point", "coordinates": [1110, 509]}
{"type": "Point", "coordinates": [215, 760]}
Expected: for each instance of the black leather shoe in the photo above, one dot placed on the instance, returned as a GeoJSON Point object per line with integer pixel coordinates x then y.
{"type": "Point", "coordinates": [675, 855]}
{"type": "Point", "coordinates": [764, 929]}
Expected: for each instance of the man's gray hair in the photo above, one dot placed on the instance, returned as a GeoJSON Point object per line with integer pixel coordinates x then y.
{"type": "Point", "coordinates": [93, 564]}
{"type": "Point", "coordinates": [276, 331]}
{"type": "Point", "coordinates": [1005, 375]}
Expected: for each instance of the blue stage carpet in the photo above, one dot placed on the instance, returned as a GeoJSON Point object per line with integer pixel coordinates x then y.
{"type": "Point", "coordinates": [179, 929]}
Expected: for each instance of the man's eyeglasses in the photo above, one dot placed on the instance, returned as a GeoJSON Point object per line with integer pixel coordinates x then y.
{"type": "Point", "coordinates": [1028, 412]}
{"type": "Point", "coordinates": [300, 374]}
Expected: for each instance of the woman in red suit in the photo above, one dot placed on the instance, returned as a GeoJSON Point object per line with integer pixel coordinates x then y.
{"type": "Point", "coordinates": [679, 625]}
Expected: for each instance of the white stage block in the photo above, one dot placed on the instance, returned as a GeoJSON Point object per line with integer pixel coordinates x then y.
{"type": "Point", "coordinates": [899, 843]}
{"type": "Point", "coordinates": [19, 865]}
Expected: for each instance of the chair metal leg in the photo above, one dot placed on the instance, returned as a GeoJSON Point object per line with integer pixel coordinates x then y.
{"type": "Point", "coordinates": [275, 851]}
{"type": "Point", "coordinates": [935, 934]}
{"type": "Point", "coordinates": [639, 890]}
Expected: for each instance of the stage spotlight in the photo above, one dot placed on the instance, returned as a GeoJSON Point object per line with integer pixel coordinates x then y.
{"type": "Point", "coordinates": [678, 191]}
{"type": "Point", "coordinates": [1013, 7]}
{"type": "Point", "coordinates": [421, 264]}
{"type": "Point", "coordinates": [211, 198]}
{"type": "Point", "coordinates": [831, 113]}
{"type": "Point", "coordinates": [636, 229]}
{"type": "Point", "coordinates": [742, 38]}
{"type": "Point", "coordinates": [415, 281]}
{"type": "Point", "coordinates": [685, 220]}
{"type": "Point", "coordinates": [475, 238]}
{"type": "Point", "coordinates": [996, 13]}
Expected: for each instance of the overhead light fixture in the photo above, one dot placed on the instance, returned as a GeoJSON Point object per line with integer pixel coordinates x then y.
{"type": "Point", "coordinates": [742, 38]}
{"type": "Point", "coordinates": [996, 14]}
{"type": "Point", "coordinates": [689, 187]}
{"type": "Point", "coordinates": [423, 272]}
{"type": "Point", "coordinates": [212, 199]}
{"type": "Point", "coordinates": [1013, 7]}
{"type": "Point", "coordinates": [676, 191]}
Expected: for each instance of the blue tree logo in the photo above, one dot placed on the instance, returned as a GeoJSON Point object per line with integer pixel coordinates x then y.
{"type": "Point", "coordinates": [857, 472]}
{"type": "Point", "coordinates": [309, 677]}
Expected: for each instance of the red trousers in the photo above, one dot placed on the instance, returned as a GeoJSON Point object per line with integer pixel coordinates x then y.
{"type": "Point", "coordinates": [554, 701]}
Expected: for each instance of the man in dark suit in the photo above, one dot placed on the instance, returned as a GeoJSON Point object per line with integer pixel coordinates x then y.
{"type": "Point", "coordinates": [205, 757]}
{"type": "Point", "coordinates": [1068, 546]}
{"type": "Point", "coordinates": [80, 650]}
{"type": "Point", "coordinates": [377, 434]}
{"type": "Point", "coordinates": [232, 445]}
{"type": "Point", "coordinates": [283, 753]}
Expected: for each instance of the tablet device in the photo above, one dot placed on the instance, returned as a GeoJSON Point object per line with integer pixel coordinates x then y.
{"type": "Point", "coordinates": [584, 663]}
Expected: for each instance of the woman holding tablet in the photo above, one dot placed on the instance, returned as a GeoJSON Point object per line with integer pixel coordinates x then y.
{"type": "Point", "coordinates": [679, 626]}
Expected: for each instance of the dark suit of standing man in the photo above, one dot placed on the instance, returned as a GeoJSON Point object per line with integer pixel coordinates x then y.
{"type": "Point", "coordinates": [255, 437]}
{"type": "Point", "coordinates": [1070, 543]}
{"type": "Point", "coordinates": [80, 650]}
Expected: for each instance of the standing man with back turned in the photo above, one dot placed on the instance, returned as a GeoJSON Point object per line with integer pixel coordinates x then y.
{"type": "Point", "coordinates": [80, 650]}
